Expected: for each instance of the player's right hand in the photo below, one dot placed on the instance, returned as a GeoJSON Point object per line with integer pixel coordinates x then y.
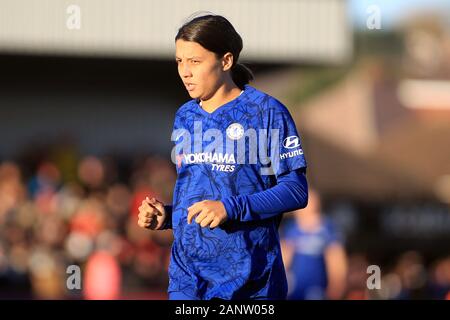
{"type": "Point", "coordinates": [151, 214]}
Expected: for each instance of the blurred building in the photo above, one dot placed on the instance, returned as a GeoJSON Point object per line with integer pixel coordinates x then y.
{"type": "Point", "coordinates": [377, 143]}
{"type": "Point", "coordinates": [297, 30]}
{"type": "Point", "coordinates": [100, 74]}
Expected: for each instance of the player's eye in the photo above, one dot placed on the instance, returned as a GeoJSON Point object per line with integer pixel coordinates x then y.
{"type": "Point", "coordinates": [195, 61]}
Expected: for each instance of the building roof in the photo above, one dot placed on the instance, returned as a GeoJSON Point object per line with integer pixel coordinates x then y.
{"type": "Point", "coordinates": [361, 141]}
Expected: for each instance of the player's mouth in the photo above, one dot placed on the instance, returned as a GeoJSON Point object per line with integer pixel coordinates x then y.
{"type": "Point", "coordinates": [189, 86]}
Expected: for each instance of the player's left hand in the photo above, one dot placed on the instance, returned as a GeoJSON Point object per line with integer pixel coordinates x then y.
{"type": "Point", "coordinates": [209, 212]}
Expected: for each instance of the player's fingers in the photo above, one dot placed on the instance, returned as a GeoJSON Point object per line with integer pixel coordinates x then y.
{"type": "Point", "coordinates": [194, 213]}
{"type": "Point", "coordinates": [147, 206]}
{"type": "Point", "coordinates": [159, 224]}
{"type": "Point", "coordinates": [202, 215]}
{"type": "Point", "coordinates": [215, 223]}
{"type": "Point", "coordinates": [144, 214]}
{"type": "Point", "coordinates": [159, 206]}
{"type": "Point", "coordinates": [143, 224]}
{"type": "Point", "coordinates": [146, 220]}
{"type": "Point", "coordinates": [207, 220]}
{"type": "Point", "coordinates": [193, 210]}
{"type": "Point", "coordinates": [148, 210]}
{"type": "Point", "coordinates": [144, 204]}
{"type": "Point", "coordinates": [141, 216]}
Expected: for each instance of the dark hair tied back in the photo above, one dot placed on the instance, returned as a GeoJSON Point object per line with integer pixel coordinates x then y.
{"type": "Point", "coordinates": [216, 34]}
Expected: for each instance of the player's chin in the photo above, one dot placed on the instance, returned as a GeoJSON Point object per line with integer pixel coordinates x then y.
{"type": "Point", "coordinates": [194, 94]}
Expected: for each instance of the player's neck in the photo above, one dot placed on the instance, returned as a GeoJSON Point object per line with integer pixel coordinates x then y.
{"type": "Point", "coordinates": [225, 93]}
{"type": "Point", "coordinates": [312, 222]}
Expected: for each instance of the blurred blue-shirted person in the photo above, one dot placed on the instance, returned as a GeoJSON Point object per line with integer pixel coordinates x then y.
{"type": "Point", "coordinates": [313, 254]}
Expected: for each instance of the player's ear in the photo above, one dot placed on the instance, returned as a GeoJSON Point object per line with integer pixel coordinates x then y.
{"type": "Point", "coordinates": [227, 61]}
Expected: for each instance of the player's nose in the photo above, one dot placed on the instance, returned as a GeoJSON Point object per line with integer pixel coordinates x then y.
{"type": "Point", "coordinates": [185, 71]}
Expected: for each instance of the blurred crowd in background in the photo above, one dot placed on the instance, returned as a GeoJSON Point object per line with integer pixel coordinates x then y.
{"type": "Point", "coordinates": [49, 221]}
{"type": "Point", "coordinates": [65, 211]}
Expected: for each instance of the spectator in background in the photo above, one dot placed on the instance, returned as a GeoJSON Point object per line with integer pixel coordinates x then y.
{"type": "Point", "coordinates": [313, 255]}
{"type": "Point", "coordinates": [357, 277]}
{"type": "Point", "coordinates": [102, 277]}
{"type": "Point", "coordinates": [412, 274]}
{"type": "Point", "coordinates": [439, 286]}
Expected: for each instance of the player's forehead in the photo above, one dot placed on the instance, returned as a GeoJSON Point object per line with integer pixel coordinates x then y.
{"type": "Point", "coordinates": [190, 49]}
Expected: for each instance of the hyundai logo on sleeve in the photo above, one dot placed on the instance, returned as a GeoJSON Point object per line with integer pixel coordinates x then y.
{"type": "Point", "coordinates": [291, 142]}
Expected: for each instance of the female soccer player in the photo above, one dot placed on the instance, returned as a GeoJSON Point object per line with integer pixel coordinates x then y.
{"type": "Point", "coordinates": [230, 193]}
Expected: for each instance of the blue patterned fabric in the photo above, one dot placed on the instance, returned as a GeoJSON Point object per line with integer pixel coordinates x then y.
{"type": "Point", "coordinates": [238, 259]}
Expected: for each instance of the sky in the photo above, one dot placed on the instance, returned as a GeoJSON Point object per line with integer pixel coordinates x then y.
{"type": "Point", "coordinates": [393, 11]}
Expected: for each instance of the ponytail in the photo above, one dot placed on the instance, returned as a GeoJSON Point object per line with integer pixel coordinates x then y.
{"type": "Point", "coordinates": [241, 75]}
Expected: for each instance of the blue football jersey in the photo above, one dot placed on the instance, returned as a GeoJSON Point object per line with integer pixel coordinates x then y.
{"type": "Point", "coordinates": [238, 149]}
{"type": "Point", "coordinates": [308, 271]}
